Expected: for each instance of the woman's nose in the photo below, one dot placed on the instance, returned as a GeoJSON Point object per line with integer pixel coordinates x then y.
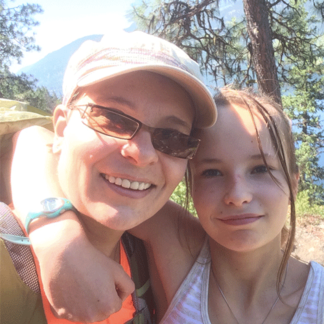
{"type": "Point", "coordinates": [139, 150]}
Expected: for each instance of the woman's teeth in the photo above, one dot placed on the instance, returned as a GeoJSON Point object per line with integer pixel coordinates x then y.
{"type": "Point", "coordinates": [125, 183]}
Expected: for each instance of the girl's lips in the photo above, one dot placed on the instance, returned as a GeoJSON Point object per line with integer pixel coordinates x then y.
{"type": "Point", "coordinates": [240, 219]}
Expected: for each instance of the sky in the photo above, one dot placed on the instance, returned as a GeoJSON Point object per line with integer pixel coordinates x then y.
{"type": "Point", "coordinates": [64, 21]}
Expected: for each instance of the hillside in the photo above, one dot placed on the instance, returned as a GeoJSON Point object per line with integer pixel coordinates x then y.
{"type": "Point", "coordinates": [49, 71]}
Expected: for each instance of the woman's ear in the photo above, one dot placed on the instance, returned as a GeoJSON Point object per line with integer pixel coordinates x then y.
{"type": "Point", "coordinates": [60, 119]}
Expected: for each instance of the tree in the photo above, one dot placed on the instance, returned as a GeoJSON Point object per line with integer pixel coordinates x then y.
{"type": "Point", "coordinates": [23, 88]}
{"type": "Point", "coordinates": [197, 28]}
{"type": "Point", "coordinates": [276, 45]}
{"type": "Point", "coordinates": [304, 100]}
{"type": "Point", "coordinates": [303, 106]}
{"type": "Point", "coordinates": [261, 49]}
{"type": "Point", "coordinates": [16, 37]}
{"type": "Point", "coordinates": [233, 51]}
{"type": "Point", "coordinates": [42, 99]}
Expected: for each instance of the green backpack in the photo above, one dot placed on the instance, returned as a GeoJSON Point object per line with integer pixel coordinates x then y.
{"type": "Point", "coordinates": [23, 261]}
{"type": "Point", "coordinates": [15, 116]}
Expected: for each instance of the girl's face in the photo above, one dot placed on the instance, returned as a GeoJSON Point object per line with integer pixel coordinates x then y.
{"type": "Point", "coordinates": [238, 203]}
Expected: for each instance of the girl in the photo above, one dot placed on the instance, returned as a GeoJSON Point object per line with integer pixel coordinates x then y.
{"type": "Point", "coordinates": [243, 180]}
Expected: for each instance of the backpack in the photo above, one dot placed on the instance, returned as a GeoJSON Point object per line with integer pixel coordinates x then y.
{"type": "Point", "coordinates": [15, 116]}
{"type": "Point", "coordinates": [23, 261]}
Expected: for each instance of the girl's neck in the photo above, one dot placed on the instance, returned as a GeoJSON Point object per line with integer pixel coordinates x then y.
{"type": "Point", "coordinates": [244, 284]}
{"type": "Point", "coordinates": [251, 271]}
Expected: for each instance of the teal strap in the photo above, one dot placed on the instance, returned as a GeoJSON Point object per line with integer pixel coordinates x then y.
{"type": "Point", "coordinates": [22, 240]}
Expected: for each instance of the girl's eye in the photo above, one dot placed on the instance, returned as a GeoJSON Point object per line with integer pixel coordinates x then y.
{"type": "Point", "coordinates": [260, 169]}
{"type": "Point", "coordinates": [211, 173]}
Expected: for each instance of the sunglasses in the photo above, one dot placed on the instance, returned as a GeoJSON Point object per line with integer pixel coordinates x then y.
{"type": "Point", "coordinates": [113, 123]}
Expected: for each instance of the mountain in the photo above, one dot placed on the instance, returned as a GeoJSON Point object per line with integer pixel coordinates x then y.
{"type": "Point", "coordinates": [49, 71]}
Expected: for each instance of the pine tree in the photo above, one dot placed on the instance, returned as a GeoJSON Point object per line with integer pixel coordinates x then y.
{"type": "Point", "coordinates": [285, 32]}
{"type": "Point", "coordinates": [303, 71]}
{"type": "Point", "coordinates": [224, 48]}
{"type": "Point", "coordinates": [303, 106]}
{"type": "Point", "coordinates": [16, 37]}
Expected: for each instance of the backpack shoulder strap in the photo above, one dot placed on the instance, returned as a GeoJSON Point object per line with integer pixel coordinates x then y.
{"type": "Point", "coordinates": [142, 296]}
{"type": "Point", "coordinates": [21, 255]}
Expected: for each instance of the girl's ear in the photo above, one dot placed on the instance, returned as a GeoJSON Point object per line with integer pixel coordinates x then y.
{"type": "Point", "coordinates": [60, 119]}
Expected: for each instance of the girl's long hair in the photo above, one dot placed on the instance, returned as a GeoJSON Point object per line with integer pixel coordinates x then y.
{"type": "Point", "coordinates": [279, 127]}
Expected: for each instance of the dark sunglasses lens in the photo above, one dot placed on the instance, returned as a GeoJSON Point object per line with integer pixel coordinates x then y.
{"type": "Point", "coordinates": [174, 143]}
{"type": "Point", "coordinates": [110, 123]}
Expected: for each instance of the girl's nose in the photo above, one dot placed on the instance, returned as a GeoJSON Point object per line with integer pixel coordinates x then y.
{"type": "Point", "coordinates": [238, 192]}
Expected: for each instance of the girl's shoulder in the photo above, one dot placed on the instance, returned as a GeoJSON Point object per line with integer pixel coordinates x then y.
{"type": "Point", "coordinates": [316, 277]}
{"type": "Point", "coordinates": [311, 305]}
{"type": "Point", "coordinates": [317, 266]}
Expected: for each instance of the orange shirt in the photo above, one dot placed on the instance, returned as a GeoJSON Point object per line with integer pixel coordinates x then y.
{"type": "Point", "coordinates": [122, 316]}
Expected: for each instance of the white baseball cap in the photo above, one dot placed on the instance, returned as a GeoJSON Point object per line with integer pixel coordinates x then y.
{"type": "Point", "coordinates": [121, 52]}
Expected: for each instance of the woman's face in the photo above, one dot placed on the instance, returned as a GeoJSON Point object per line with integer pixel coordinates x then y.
{"type": "Point", "coordinates": [238, 203]}
{"type": "Point", "coordinates": [120, 183]}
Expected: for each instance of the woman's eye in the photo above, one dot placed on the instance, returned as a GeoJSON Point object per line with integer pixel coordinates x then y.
{"type": "Point", "coordinates": [260, 169]}
{"type": "Point", "coordinates": [211, 173]}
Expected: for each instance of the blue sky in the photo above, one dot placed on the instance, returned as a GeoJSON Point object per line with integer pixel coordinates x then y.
{"type": "Point", "coordinates": [64, 21]}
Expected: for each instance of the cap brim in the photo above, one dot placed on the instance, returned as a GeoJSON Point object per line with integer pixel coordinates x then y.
{"type": "Point", "coordinates": [206, 112]}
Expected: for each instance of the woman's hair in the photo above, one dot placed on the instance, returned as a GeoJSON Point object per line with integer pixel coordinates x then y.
{"type": "Point", "coordinates": [279, 127]}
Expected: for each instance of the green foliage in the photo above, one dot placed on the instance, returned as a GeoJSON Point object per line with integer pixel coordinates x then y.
{"type": "Point", "coordinates": [295, 33]}
{"type": "Point", "coordinates": [179, 196]}
{"type": "Point", "coordinates": [305, 208]}
{"type": "Point", "coordinates": [199, 29]}
{"type": "Point", "coordinates": [223, 49]}
{"type": "Point", "coordinates": [12, 85]}
{"type": "Point", "coordinates": [303, 105]}
{"type": "Point", "coordinates": [42, 99]}
{"type": "Point", "coordinates": [17, 37]}
{"type": "Point", "coordinates": [22, 88]}
{"type": "Point", "coordinates": [305, 102]}
{"type": "Point", "coordinates": [222, 46]}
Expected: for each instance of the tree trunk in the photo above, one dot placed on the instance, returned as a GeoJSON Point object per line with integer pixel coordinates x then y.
{"type": "Point", "coordinates": [259, 30]}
